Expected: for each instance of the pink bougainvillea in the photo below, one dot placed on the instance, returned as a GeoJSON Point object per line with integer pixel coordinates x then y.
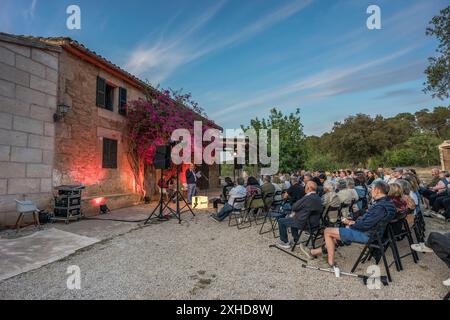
{"type": "Point", "coordinates": [151, 122]}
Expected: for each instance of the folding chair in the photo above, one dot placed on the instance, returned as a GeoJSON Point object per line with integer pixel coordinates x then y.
{"type": "Point", "coordinates": [326, 216]}
{"type": "Point", "coordinates": [272, 217]}
{"type": "Point", "coordinates": [255, 206]}
{"type": "Point", "coordinates": [240, 214]}
{"type": "Point", "coordinates": [399, 229]}
{"type": "Point", "coordinates": [419, 227]}
{"type": "Point", "coordinates": [312, 231]}
{"type": "Point", "coordinates": [377, 245]}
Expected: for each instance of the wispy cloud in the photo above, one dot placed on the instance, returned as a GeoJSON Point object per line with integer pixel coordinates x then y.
{"type": "Point", "coordinates": [161, 59]}
{"type": "Point", "coordinates": [399, 93]}
{"type": "Point", "coordinates": [29, 12]}
{"type": "Point", "coordinates": [329, 82]}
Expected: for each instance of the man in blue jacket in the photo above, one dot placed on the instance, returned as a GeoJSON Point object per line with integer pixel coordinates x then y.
{"type": "Point", "coordinates": [360, 230]}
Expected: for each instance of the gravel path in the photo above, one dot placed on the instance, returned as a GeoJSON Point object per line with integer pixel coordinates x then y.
{"type": "Point", "coordinates": [203, 259]}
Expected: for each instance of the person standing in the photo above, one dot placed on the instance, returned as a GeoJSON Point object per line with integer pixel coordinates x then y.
{"type": "Point", "coordinates": [191, 180]}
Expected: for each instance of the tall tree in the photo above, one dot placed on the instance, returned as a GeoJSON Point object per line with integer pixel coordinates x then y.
{"type": "Point", "coordinates": [292, 139]}
{"type": "Point", "coordinates": [438, 72]}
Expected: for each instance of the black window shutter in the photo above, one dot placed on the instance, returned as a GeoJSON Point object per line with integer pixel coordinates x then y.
{"type": "Point", "coordinates": [109, 153]}
{"type": "Point", "coordinates": [122, 101]}
{"type": "Point", "coordinates": [101, 92]}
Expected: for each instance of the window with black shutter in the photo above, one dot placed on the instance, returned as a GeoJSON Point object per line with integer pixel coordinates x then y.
{"type": "Point", "coordinates": [109, 153]}
{"type": "Point", "coordinates": [122, 101]}
{"type": "Point", "coordinates": [101, 92]}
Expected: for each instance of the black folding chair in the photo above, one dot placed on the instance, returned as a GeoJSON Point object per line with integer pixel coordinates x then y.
{"type": "Point", "coordinates": [419, 226]}
{"type": "Point", "coordinates": [272, 217]}
{"type": "Point", "coordinates": [398, 229]}
{"type": "Point", "coordinates": [326, 216]}
{"type": "Point", "coordinates": [239, 214]}
{"type": "Point", "coordinates": [312, 231]}
{"type": "Point", "coordinates": [377, 245]}
{"type": "Point", "coordinates": [253, 207]}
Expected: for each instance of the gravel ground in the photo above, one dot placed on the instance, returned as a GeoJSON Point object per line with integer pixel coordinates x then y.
{"type": "Point", "coordinates": [203, 259]}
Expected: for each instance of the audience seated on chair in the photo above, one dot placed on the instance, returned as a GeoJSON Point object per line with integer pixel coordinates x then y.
{"type": "Point", "coordinates": [229, 184]}
{"type": "Point", "coordinates": [267, 188]}
{"type": "Point", "coordinates": [346, 195]}
{"type": "Point", "coordinates": [293, 194]}
{"type": "Point", "coordinates": [306, 210]}
{"type": "Point", "coordinates": [360, 230]}
{"type": "Point", "coordinates": [330, 199]}
{"type": "Point", "coordinates": [237, 192]}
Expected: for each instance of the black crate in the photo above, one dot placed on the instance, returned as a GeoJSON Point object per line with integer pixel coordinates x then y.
{"type": "Point", "coordinates": [67, 202]}
{"type": "Point", "coordinates": [63, 212]}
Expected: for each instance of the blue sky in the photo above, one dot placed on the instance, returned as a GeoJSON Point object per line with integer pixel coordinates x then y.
{"type": "Point", "coordinates": [241, 58]}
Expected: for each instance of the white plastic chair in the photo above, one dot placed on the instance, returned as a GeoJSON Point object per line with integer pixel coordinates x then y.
{"type": "Point", "coordinates": [26, 207]}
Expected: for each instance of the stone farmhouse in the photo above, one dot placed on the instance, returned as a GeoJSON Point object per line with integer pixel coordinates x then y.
{"type": "Point", "coordinates": [62, 121]}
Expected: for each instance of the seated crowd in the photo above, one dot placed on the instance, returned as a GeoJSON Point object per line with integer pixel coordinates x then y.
{"type": "Point", "coordinates": [365, 199]}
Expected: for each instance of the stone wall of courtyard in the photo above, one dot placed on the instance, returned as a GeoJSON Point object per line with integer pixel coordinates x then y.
{"type": "Point", "coordinates": [28, 99]}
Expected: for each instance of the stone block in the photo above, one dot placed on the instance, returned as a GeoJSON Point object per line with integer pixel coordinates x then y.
{"type": "Point", "coordinates": [7, 56]}
{"type": "Point", "coordinates": [3, 186]}
{"type": "Point", "coordinates": [27, 155]}
{"type": "Point", "coordinates": [51, 75]}
{"type": "Point", "coordinates": [41, 142]}
{"type": "Point", "coordinates": [31, 96]}
{"type": "Point", "coordinates": [11, 105]}
{"type": "Point", "coordinates": [25, 51]}
{"type": "Point", "coordinates": [5, 121]}
{"type": "Point", "coordinates": [39, 171]}
{"type": "Point", "coordinates": [41, 113]}
{"type": "Point", "coordinates": [7, 89]}
{"type": "Point", "coordinates": [13, 138]}
{"type": "Point", "coordinates": [44, 58]}
{"type": "Point", "coordinates": [28, 65]}
{"type": "Point", "coordinates": [46, 185]}
{"type": "Point", "coordinates": [21, 185]}
{"type": "Point", "coordinates": [43, 85]}
{"type": "Point", "coordinates": [15, 75]}
{"type": "Point", "coordinates": [12, 170]}
{"type": "Point", "coordinates": [49, 129]}
{"type": "Point", "coordinates": [5, 152]}
{"type": "Point", "coordinates": [28, 125]}
{"type": "Point", "coordinates": [47, 157]}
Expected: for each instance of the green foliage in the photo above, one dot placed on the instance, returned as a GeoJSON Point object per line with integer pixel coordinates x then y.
{"type": "Point", "coordinates": [292, 140]}
{"type": "Point", "coordinates": [438, 71]}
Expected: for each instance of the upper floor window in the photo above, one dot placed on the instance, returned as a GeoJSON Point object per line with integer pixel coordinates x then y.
{"type": "Point", "coordinates": [107, 95]}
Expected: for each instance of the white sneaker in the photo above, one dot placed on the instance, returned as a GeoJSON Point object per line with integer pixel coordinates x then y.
{"type": "Point", "coordinates": [283, 245]}
{"type": "Point", "coordinates": [446, 282]}
{"type": "Point", "coordinates": [421, 247]}
{"type": "Point", "coordinates": [437, 215]}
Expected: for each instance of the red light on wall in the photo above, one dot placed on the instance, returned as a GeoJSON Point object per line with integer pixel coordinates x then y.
{"type": "Point", "coordinates": [99, 201]}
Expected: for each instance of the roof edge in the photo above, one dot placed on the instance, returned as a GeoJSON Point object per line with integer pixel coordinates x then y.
{"type": "Point", "coordinates": [19, 40]}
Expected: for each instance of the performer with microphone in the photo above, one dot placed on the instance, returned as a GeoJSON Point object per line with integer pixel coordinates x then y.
{"type": "Point", "coordinates": [191, 180]}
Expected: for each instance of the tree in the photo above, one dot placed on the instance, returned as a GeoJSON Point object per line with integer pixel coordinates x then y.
{"type": "Point", "coordinates": [292, 140]}
{"type": "Point", "coordinates": [436, 122]}
{"type": "Point", "coordinates": [438, 72]}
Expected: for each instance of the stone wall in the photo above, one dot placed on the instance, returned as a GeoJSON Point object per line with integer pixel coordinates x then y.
{"type": "Point", "coordinates": [28, 91]}
{"type": "Point", "coordinates": [79, 136]}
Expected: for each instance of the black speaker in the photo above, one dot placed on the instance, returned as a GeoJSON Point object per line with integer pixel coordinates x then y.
{"type": "Point", "coordinates": [162, 157]}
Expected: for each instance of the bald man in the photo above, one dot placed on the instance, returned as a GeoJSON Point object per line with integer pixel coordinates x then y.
{"type": "Point", "coordinates": [309, 208]}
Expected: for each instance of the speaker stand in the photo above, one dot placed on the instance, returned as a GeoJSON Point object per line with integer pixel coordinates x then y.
{"type": "Point", "coordinates": [160, 207]}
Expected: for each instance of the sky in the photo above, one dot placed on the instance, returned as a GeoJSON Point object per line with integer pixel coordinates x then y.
{"type": "Point", "coordinates": [239, 59]}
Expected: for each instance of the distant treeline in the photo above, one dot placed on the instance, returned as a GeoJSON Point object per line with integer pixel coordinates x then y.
{"type": "Point", "coordinates": [403, 140]}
